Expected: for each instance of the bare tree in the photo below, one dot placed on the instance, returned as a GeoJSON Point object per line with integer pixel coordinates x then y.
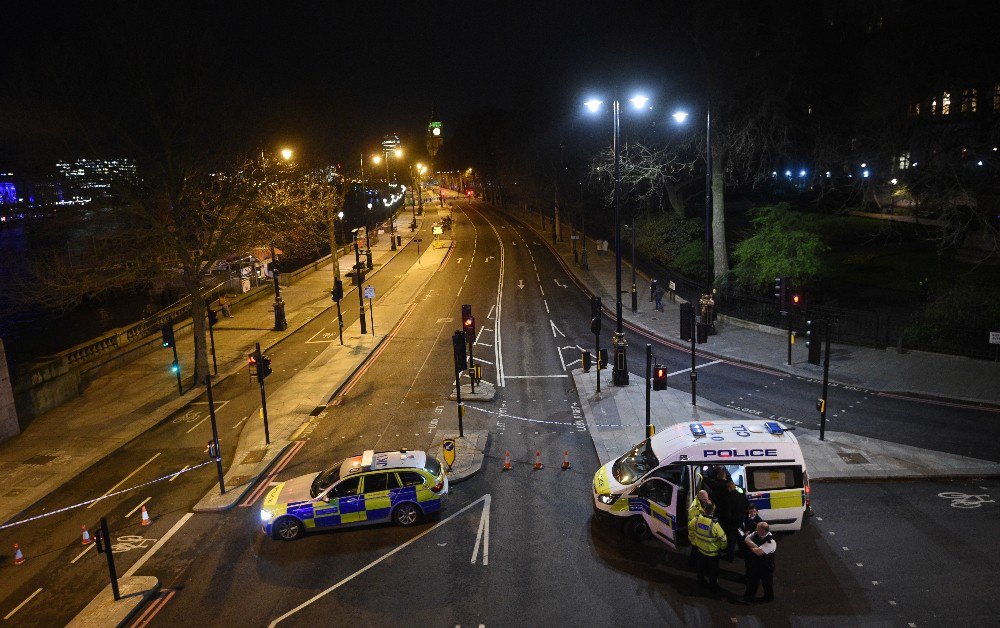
{"type": "Point", "coordinates": [653, 176]}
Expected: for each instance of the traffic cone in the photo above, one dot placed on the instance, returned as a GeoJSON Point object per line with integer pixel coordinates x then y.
{"type": "Point", "coordinates": [86, 537]}
{"type": "Point", "coordinates": [145, 517]}
{"type": "Point", "coordinates": [565, 464]}
{"type": "Point", "coordinates": [18, 555]}
{"type": "Point", "coordinates": [538, 460]}
{"type": "Point", "coordinates": [506, 461]}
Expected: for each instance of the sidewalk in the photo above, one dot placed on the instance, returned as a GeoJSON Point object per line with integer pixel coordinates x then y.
{"type": "Point", "coordinates": [616, 420]}
{"type": "Point", "coordinates": [916, 372]}
{"type": "Point", "coordinates": [65, 441]}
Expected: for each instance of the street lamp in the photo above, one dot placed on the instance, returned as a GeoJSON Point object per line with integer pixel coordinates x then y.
{"type": "Point", "coordinates": [286, 154]}
{"type": "Point", "coordinates": [619, 371]}
{"type": "Point", "coordinates": [680, 117]}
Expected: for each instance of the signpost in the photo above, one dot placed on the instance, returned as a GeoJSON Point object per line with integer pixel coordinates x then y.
{"type": "Point", "coordinates": [448, 447]}
{"type": "Point", "coordinates": [370, 294]}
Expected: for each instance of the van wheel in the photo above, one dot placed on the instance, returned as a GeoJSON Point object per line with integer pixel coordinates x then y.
{"type": "Point", "coordinates": [636, 529]}
{"type": "Point", "coordinates": [287, 529]}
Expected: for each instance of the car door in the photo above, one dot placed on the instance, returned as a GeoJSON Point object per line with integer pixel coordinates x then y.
{"type": "Point", "coordinates": [376, 487]}
{"type": "Point", "coordinates": [349, 500]}
{"type": "Point", "coordinates": [659, 499]}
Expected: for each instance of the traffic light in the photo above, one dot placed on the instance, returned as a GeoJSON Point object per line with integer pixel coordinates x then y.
{"type": "Point", "coordinates": [213, 317]}
{"type": "Point", "coordinates": [595, 315]}
{"type": "Point", "coordinates": [265, 366]}
{"type": "Point", "coordinates": [338, 290]}
{"type": "Point", "coordinates": [458, 346]}
{"type": "Point", "coordinates": [175, 367]}
{"type": "Point", "coordinates": [813, 341]}
{"type": "Point", "coordinates": [212, 450]}
{"type": "Point", "coordinates": [168, 334]}
{"type": "Point", "coordinates": [796, 301]}
{"type": "Point", "coordinates": [252, 361]}
{"type": "Point", "coordinates": [781, 289]}
{"type": "Point", "coordinates": [659, 377]}
{"type": "Point", "coordinates": [468, 323]}
{"type": "Point", "coordinates": [585, 359]}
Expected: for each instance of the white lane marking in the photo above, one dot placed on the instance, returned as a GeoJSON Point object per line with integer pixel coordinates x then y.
{"type": "Point", "coordinates": [178, 474]}
{"type": "Point", "coordinates": [80, 555]}
{"type": "Point", "coordinates": [546, 306]}
{"type": "Point", "coordinates": [195, 426]}
{"type": "Point", "coordinates": [375, 562]}
{"type": "Point", "coordinates": [556, 329]}
{"type": "Point", "coordinates": [559, 284]}
{"type": "Point", "coordinates": [112, 489]}
{"type": "Point", "coordinates": [328, 338]}
{"type": "Point", "coordinates": [483, 534]}
{"type": "Point", "coordinates": [237, 424]}
{"type": "Point", "coordinates": [486, 328]}
{"type": "Point", "coordinates": [561, 360]}
{"type": "Point", "coordinates": [481, 330]}
{"type": "Point", "coordinates": [497, 337]}
{"type": "Point", "coordinates": [19, 606]}
{"type": "Point", "coordinates": [163, 541]}
{"type": "Point", "coordinates": [541, 288]}
{"type": "Point", "coordinates": [533, 376]}
{"type": "Point", "coordinates": [520, 284]}
{"type": "Point", "coordinates": [141, 504]}
{"type": "Point", "coordinates": [490, 314]}
{"type": "Point", "coordinates": [483, 361]}
{"type": "Point", "coordinates": [700, 366]}
{"type": "Point", "coordinates": [573, 362]}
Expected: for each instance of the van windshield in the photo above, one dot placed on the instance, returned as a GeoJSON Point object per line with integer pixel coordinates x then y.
{"type": "Point", "coordinates": [635, 464]}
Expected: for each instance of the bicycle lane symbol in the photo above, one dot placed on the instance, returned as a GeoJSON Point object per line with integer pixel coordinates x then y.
{"type": "Point", "coordinates": [131, 542]}
{"type": "Point", "coordinates": [963, 500]}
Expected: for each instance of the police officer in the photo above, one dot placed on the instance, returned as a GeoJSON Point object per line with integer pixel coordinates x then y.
{"type": "Point", "coordinates": [762, 546]}
{"type": "Point", "coordinates": [696, 508]}
{"type": "Point", "coordinates": [706, 534]}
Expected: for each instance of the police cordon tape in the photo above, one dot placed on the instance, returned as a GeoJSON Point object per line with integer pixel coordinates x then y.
{"type": "Point", "coordinates": [97, 499]}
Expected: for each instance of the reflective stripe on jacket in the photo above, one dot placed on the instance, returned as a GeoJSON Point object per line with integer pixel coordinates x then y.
{"type": "Point", "coordinates": [707, 535]}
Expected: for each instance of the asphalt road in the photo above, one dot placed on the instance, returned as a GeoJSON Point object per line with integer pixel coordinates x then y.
{"type": "Point", "coordinates": [539, 557]}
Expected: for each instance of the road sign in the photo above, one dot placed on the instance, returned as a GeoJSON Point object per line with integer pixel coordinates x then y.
{"type": "Point", "coordinates": [369, 292]}
{"type": "Point", "coordinates": [995, 337]}
{"type": "Point", "coordinates": [448, 447]}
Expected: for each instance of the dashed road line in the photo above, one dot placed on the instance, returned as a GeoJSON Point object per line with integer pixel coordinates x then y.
{"type": "Point", "coordinates": [123, 480]}
{"type": "Point", "coordinates": [21, 605]}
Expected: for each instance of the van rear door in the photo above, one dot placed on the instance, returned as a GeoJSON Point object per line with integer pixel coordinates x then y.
{"type": "Point", "coordinates": [658, 500]}
{"type": "Point", "coordinates": [779, 493]}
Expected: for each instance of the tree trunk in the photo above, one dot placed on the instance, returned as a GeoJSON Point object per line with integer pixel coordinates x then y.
{"type": "Point", "coordinates": [331, 223]}
{"type": "Point", "coordinates": [676, 202]}
{"type": "Point", "coordinates": [198, 319]}
{"type": "Point", "coordinates": [721, 257]}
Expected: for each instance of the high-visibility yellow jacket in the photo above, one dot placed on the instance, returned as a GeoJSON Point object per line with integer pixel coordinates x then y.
{"type": "Point", "coordinates": [707, 535]}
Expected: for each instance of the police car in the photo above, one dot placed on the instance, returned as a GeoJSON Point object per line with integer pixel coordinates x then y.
{"type": "Point", "coordinates": [649, 488]}
{"type": "Point", "coordinates": [398, 486]}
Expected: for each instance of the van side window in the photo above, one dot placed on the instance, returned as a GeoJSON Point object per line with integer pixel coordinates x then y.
{"type": "Point", "coordinates": [773, 478]}
{"type": "Point", "coordinates": [671, 473]}
{"type": "Point", "coordinates": [659, 492]}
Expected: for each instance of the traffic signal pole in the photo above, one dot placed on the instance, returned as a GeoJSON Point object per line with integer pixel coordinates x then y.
{"type": "Point", "coordinates": [694, 372]}
{"type": "Point", "coordinates": [263, 394]}
{"type": "Point", "coordinates": [215, 435]}
{"type": "Point", "coordinates": [649, 376]}
{"type": "Point", "coordinates": [211, 336]}
{"type": "Point", "coordinates": [177, 369]}
{"type": "Point", "coordinates": [357, 269]}
{"type": "Point", "coordinates": [826, 381]}
{"type": "Point", "coordinates": [105, 546]}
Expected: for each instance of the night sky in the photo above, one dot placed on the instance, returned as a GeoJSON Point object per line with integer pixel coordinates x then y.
{"type": "Point", "coordinates": [329, 78]}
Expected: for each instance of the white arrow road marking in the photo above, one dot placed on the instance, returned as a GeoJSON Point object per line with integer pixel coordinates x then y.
{"type": "Point", "coordinates": [483, 535]}
{"type": "Point", "coordinates": [559, 284]}
{"type": "Point", "coordinates": [520, 284]}
{"type": "Point", "coordinates": [489, 257]}
{"type": "Point", "coordinates": [375, 562]}
{"type": "Point", "coordinates": [556, 329]}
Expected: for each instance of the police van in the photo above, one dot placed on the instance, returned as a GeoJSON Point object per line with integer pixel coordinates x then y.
{"type": "Point", "coordinates": [648, 490]}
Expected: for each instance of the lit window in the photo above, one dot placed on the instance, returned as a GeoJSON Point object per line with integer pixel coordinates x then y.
{"type": "Point", "coordinates": [934, 107]}
{"type": "Point", "coordinates": [946, 103]}
{"type": "Point", "coordinates": [970, 99]}
{"type": "Point", "coordinates": [996, 97]}
{"type": "Point", "coordinates": [903, 161]}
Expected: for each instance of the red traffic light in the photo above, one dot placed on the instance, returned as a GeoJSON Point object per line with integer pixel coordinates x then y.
{"type": "Point", "coordinates": [796, 299]}
{"type": "Point", "coordinates": [251, 359]}
{"type": "Point", "coordinates": [467, 323]}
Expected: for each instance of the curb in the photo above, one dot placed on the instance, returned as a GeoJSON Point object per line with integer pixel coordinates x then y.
{"type": "Point", "coordinates": [917, 395]}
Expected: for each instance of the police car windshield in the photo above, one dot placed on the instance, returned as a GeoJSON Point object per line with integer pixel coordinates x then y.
{"type": "Point", "coordinates": [433, 466]}
{"type": "Point", "coordinates": [635, 464]}
{"type": "Point", "coordinates": [324, 479]}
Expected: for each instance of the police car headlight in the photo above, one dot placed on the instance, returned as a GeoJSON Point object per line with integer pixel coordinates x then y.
{"type": "Point", "coordinates": [607, 499]}
{"type": "Point", "coordinates": [265, 515]}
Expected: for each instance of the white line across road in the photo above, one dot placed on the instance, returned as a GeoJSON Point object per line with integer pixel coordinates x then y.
{"type": "Point", "coordinates": [375, 562]}
{"type": "Point", "coordinates": [178, 474]}
{"type": "Point", "coordinates": [143, 502]}
{"type": "Point", "coordinates": [80, 555]}
{"type": "Point", "coordinates": [701, 366]}
{"type": "Point", "coordinates": [195, 426]}
{"type": "Point", "coordinates": [124, 479]}
{"type": "Point", "coordinates": [535, 376]}
{"type": "Point", "coordinates": [163, 541]}
{"type": "Point", "coordinates": [483, 535]}
{"type": "Point", "coordinates": [21, 605]}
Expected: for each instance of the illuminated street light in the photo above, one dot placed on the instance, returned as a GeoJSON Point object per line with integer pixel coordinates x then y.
{"type": "Point", "coordinates": [594, 105]}
{"type": "Point", "coordinates": [680, 117]}
{"type": "Point", "coordinates": [286, 154]}
{"type": "Point", "coordinates": [639, 101]}
{"type": "Point", "coordinates": [398, 152]}
{"type": "Point", "coordinates": [376, 159]}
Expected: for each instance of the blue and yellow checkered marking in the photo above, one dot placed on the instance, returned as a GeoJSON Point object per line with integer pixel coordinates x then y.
{"type": "Point", "coordinates": [794, 498]}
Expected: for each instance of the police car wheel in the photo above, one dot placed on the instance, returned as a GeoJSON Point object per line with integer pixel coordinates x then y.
{"type": "Point", "coordinates": [636, 529]}
{"type": "Point", "coordinates": [406, 514]}
{"type": "Point", "coordinates": [287, 529]}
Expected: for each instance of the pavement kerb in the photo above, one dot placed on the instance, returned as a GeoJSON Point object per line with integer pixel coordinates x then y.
{"type": "Point", "coordinates": [642, 329]}
{"type": "Point", "coordinates": [104, 610]}
{"type": "Point", "coordinates": [213, 502]}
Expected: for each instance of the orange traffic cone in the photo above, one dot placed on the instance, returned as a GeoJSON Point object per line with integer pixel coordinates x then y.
{"type": "Point", "coordinates": [18, 555]}
{"type": "Point", "coordinates": [506, 461]}
{"type": "Point", "coordinates": [565, 464]}
{"type": "Point", "coordinates": [145, 517]}
{"type": "Point", "coordinates": [86, 537]}
{"type": "Point", "coordinates": [538, 460]}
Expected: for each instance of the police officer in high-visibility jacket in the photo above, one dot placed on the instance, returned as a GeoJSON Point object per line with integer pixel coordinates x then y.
{"type": "Point", "coordinates": [696, 509]}
{"type": "Point", "coordinates": [707, 536]}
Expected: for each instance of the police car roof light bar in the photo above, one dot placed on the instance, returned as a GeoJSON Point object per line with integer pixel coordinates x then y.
{"type": "Point", "coordinates": [773, 427]}
{"type": "Point", "coordinates": [697, 429]}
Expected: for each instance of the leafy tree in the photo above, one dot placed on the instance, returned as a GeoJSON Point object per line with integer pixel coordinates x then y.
{"type": "Point", "coordinates": [670, 241]}
{"type": "Point", "coordinates": [780, 246]}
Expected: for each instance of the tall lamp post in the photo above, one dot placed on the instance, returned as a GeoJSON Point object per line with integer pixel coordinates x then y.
{"type": "Point", "coordinates": [280, 322]}
{"type": "Point", "coordinates": [367, 209]}
{"type": "Point", "coordinates": [680, 117]}
{"type": "Point", "coordinates": [619, 371]}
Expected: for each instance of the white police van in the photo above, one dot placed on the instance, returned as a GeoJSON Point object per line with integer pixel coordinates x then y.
{"type": "Point", "coordinates": [648, 489]}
